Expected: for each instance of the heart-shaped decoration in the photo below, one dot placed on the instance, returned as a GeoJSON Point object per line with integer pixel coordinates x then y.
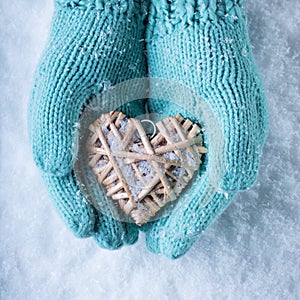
{"type": "Point", "coordinates": [144, 173]}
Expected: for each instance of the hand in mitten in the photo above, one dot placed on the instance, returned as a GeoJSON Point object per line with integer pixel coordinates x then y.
{"type": "Point", "coordinates": [93, 44]}
{"type": "Point", "coordinates": [206, 47]}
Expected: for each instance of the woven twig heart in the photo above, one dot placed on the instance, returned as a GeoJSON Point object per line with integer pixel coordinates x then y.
{"type": "Point", "coordinates": [143, 173]}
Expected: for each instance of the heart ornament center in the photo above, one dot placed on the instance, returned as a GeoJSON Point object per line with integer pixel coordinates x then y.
{"type": "Point", "coordinates": [143, 173]}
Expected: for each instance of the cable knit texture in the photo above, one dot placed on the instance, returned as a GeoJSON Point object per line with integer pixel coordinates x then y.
{"type": "Point", "coordinates": [90, 48]}
{"type": "Point", "coordinates": [204, 45]}
{"type": "Point", "coordinates": [166, 16]}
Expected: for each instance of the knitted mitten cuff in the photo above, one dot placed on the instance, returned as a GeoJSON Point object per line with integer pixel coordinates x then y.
{"type": "Point", "coordinates": [117, 6]}
{"type": "Point", "coordinates": [165, 16]}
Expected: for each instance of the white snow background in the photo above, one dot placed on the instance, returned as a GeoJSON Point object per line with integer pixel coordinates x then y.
{"type": "Point", "coordinates": [251, 251]}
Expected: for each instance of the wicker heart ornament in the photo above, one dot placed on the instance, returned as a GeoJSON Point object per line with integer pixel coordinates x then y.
{"type": "Point", "coordinates": [142, 173]}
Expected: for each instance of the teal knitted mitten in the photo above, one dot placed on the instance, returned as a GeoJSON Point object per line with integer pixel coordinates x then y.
{"type": "Point", "coordinates": [81, 218]}
{"type": "Point", "coordinates": [173, 236]}
{"type": "Point", "coordinates": [91, 47]}
{"type": "Point", "coordinates": [204, 45]}
{"type": "Point", "coordinates": [93, 44]}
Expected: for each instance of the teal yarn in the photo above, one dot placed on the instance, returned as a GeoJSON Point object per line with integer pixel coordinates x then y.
{"type": "Point", "coordinates": [212, 55]}
{"type": "Point", "coordinates": [173, 236]}
{"type": "Point", "coordinates": [92, 45]}
{"type": "Point", "coordinates": [88, 51]}
{"type": "Point", "coordinates": [82, 219]}
{"type": "Point", "coordinates": [205, 45]}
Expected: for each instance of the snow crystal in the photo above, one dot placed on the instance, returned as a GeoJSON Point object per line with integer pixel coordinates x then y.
{"type": "Point", "coordinates": [138, 148]}
{"type": "Point", "coordinates": [123, 125]}
{"type": "Point", "coordinates": [101, 163]}
{"type": "Point", "coordinates": [135, 191]}
{"type": "Point", "coordinates": [141, 206]}
{"type": "Point", "coordinates": [144, 167]}
{"type": "Point", "coordinates": [178, 172]}
{"type": "Point", "coordinates": [105, 130]}
{"type": "Point", "coordinates": [171, 156]}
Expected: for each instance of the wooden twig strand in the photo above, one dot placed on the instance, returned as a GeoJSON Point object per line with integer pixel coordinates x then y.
{"type": "Point", "coordinates": [140, 173]}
